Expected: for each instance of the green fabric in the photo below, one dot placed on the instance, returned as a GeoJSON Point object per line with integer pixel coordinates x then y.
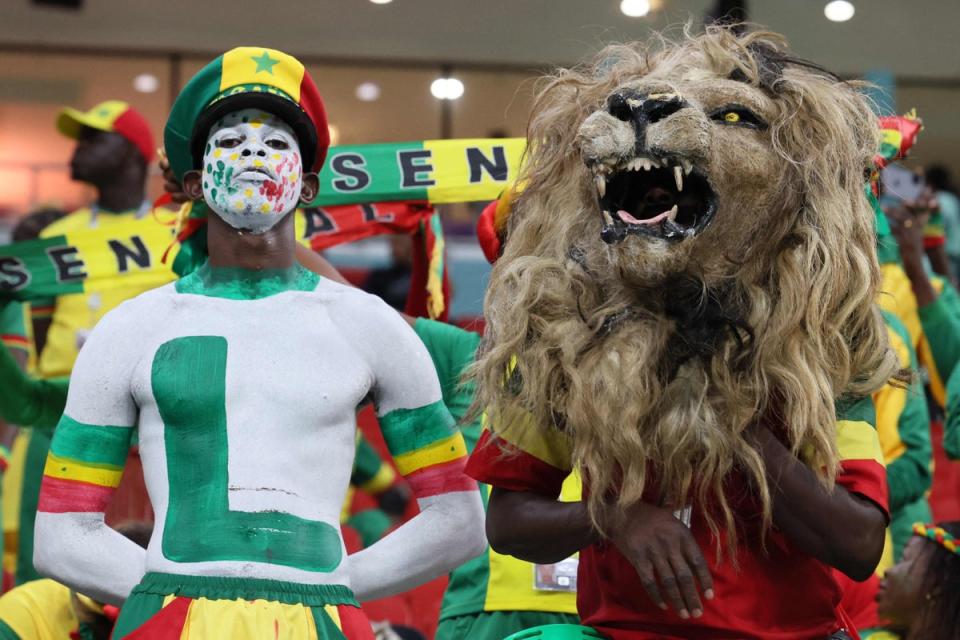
{"type": "Point", "coordinates": [136, 610]}
{"type": "Point", "coordinates": [188, 380]}
{"type": "Point", "coordinates": [856, 409]}
{"type": "Point", "coordinates": [951, 424]}
{"type": "Point", "coordinates": [407, 430]}
{"type": "Point", "coordinates": [370, 524]}
{"type": "Point", "coordinates": [325, 627]}
{"type": "Point", "coordinates": [453, 350]}
{"type": "Point", "coordinates": [29, 401]}
{"type": "Point", "coordinates": [888, 252]}
{"type": "Point", "coordinates": [33, 464]}
{"type": "Point", "coordinates": [6, 633]}
{"type": "Point", "coordinates": [366, 463]}
{"type": "Point", "coordinates": [910, 475]}
{"type": "Point", "coordinates": [224, 588]}
{"type": "Point", "coordinates": [941, 326]}
{"type": "Point", "coordinates": [192, 100]}
{"type": "Point", "coordinates": [497, 625]}
{"type": "Point", "coordinates": [193, 249]}
{"type": "Point", "coordinates": [11, 320]}
{"type": "Point", "coordinates": [234, 283]}
{"type": "Point", "coordinates": [95, 445]}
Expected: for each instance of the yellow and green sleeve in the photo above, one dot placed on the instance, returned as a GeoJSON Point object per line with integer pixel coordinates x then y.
{"type": "Point", "coordinates": [903, 425]}
{"type": "Point", "coordinates": [951, 424]}
{"type": "Point", "coordinates": [939, 350]}
{"type": "Point", "coordinates": [370, 472]}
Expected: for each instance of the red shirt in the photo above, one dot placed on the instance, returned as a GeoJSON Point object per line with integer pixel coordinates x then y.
{"type": "Point", "coordinates": [780, 593]}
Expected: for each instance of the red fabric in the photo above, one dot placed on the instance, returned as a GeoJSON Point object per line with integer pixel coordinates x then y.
{"type": "Point", "coordinates": [417, 298]}
{"type": "Point", "coordinates": [498, 463]}
{"type": "Point", "coordinates": [867, 478]}
{"type": "Point", "coordinates": [354, 623]}
{"type": "Point", "coordinates": [70, 496]}
{"type": "Point", "coordinates": [945, 495]}
{"type": "Point", "coordinates": [312, 105]}
{"type": "Point", "coordinates": [134, 127]}
{"type": "Point", "coordinates": [487, 234]}
{"type": "Point", "coordinates": [775, 594]}
{"type": "Point", "coordinates": [166, 624]}
{"type": "Point", "coordinates": [441, 478]}
{"type": "Point", "coordinates": [860, 600]}
{"type": "Point", "coordinates": [933, 242]}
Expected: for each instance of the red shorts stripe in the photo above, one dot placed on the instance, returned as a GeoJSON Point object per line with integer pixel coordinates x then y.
{"type": "Point", "coordinates": [166, 624]}
{"type": "Point", "coordinates": [354, 623]}
{"type": "Point", "coordinates": [501, 464]}
{"type": "Point", "coordinates": [71, 496]}
{"type": "Point", "coordinates": [441, 478]}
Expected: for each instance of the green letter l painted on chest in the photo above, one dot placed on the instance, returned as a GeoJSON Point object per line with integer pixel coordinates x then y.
{"type": "Point", "coordinates": [188, 377]}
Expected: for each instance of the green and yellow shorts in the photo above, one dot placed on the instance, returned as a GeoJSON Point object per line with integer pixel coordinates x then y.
{"type": "Point", "coordinates": [172, 607]}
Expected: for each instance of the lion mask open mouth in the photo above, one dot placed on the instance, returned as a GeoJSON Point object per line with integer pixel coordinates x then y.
{"type": "Point", "coordinates": [663, 197]}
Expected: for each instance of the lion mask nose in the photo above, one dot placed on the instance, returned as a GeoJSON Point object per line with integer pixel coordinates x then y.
{"type": "Point", "coordinates": [642, 108]}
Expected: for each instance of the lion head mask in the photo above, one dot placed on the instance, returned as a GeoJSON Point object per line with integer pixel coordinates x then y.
{"type": "Point", "coordinates": [691, 252]}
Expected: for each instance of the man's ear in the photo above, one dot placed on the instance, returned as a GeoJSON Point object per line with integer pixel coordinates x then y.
{"type": "Point", "coordinates": [311, 187]}
{"type": "Point", "coordinates": [193, 185]}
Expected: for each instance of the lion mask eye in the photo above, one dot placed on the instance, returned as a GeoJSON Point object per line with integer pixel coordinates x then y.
{"type": "Point", "coordinates": [738, 115]}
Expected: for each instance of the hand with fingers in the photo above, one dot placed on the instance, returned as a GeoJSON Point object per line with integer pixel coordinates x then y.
{"type": "Point", "coordinates": [665, 555]}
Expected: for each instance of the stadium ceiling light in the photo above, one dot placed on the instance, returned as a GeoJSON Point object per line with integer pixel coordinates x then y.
{"type": "Point", "coordinates": [446, 88]}
{"type": "Point", "coordinates": [367, 91]}
{"type": "Point", "coordinates": [839, 10]}
{"type": "Point", "coordinates": [146, 83]}
{"type": "Point", "coordinates": [381, 1]}
{"type": "Point", "coordinates": [635, 8]}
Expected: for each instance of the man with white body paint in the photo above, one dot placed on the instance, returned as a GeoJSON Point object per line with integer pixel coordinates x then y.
{"type": "Point", "coordinates": [243, 379]}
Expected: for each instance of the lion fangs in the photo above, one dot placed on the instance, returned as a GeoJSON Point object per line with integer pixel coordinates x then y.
{"type": "Point", "coordinates": [672, 214]}
{"type": "Point", "coordinates": [607, 218]}
{"type": "Point", "coordinates": [678, 176]}
{"type": "Point", "coordinates": [601, 183]}
{"type": "Point", "coordinates": [687, 166]}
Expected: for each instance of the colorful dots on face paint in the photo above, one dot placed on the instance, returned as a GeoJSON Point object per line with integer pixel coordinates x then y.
{"type": "Point", "coordinates": [257, 163]}
{"type": "Point", "coordinates": [248, 193]}
{"type": "Point", "coordinates": [275, 156]}
{"type": "Point", "coordinates": [217, 153]}
{"type": "Point", "coordinates": [265, 207]}
{"type": "Point", "coordinates": [234, 156]}
{"type": "Point", "coordinates": [238, 205]}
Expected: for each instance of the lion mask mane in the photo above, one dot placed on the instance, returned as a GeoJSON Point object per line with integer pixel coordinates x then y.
{"type": "Point", "coordinates": [691, 252]}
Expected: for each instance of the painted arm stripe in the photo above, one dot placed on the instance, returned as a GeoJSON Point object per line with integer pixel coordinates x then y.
{"type": "Point", "coordinates": [857, 440]}
{"type": "Point", "coordinates": [68, 469]}
{"type": "Point", "coordinates": [90, 443]}
{"type": "Point", "coordinates": [441, 478]}
{"type": "Point", "coordinates": [500, 464]}
{"type": "Point", "coordinates": [381, 480]}
{"type": "Point", "coordinates": [69, 496]}
{"type": "Point", "coordinates": [450, 448]}
{"type": "Point", "coordinates": [406, 430]}
{"type": "Point", "coordinates": [867, 478]}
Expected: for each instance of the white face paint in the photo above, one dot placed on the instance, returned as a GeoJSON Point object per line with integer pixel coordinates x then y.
{"type": "Point", "coordinates": [252, 172]}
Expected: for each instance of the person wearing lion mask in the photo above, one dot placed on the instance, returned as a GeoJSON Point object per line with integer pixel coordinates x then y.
{"type": "Point", "coordinates": [685, 311]}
